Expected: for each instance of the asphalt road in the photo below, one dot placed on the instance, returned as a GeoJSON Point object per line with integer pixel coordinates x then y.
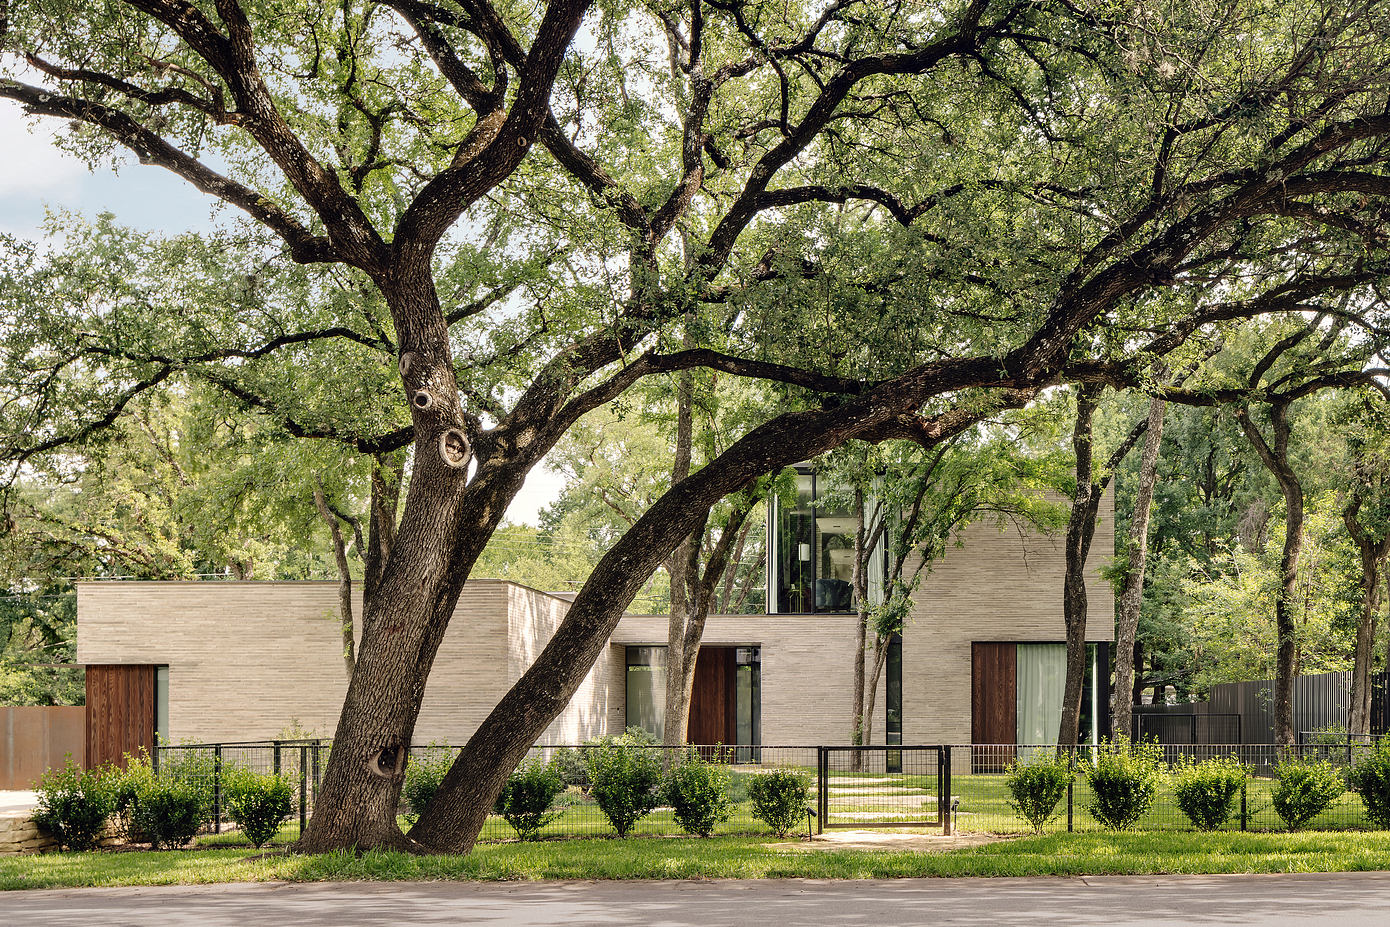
{"type": "Point", "coordinates": [1341, 899]}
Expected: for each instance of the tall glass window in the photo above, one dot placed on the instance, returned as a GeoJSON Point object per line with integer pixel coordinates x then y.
{"type": "Point", "coordinates": [646, 689]}
{"type": "Point", "coordinates": [161, 704]}
{"type": "Point", "coordinates": [748, 702]}
{"type": "Point", "coordinates": [893, 726]}
{"type": "Point", "coordinates": [1042, 677]}
{"type": "Point", "coordinates": [813, 551]}
{"type": "Point", "coordinates": [893, 721]}
{"type": "Point", "coordinates": [734, 694]}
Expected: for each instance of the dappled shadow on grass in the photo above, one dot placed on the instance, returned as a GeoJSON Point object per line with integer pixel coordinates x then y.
{"type": "Point", "coordinates": [724, 858]}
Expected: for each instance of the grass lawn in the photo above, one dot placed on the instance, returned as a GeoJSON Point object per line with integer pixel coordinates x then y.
{"type": "Point", "coordinates": [726, 857]}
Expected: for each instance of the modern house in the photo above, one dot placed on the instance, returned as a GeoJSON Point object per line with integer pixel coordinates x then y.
{"type": "Point", "coordinates": [980, 659]}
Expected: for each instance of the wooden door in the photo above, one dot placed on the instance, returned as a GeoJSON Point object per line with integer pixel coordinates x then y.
{"type": "Point", "coordinates": [120, 712]}
{"type": "Point", "coordinates": [714, 703]}
{"type": "Point", "coordinates": [993, 704]}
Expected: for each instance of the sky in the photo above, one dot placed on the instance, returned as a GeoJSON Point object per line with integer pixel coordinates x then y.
{"type": "Point", "coordinates": [35, 177]}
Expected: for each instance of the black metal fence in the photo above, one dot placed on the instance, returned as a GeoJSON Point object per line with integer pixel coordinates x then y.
{"type": "Point", "coordinates": [891, 786]}
{"type": "Point", "coordinates": [1187, 727]}
{"type": "Point", "coordinates": [207, 766]}
{"type": "Point", "coordinates": [1243, 712]}
{"type": "Point", "coordinates": [960, 788]}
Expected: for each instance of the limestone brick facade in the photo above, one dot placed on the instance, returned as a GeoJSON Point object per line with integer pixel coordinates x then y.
{"type": "Point", "coordinates": [248, 659]}
{"type": "Point", "coordinates": [245, 659]}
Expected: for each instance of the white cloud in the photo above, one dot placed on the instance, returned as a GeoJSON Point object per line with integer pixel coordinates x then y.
{"type": "Point", "coordinates": [30, 165]}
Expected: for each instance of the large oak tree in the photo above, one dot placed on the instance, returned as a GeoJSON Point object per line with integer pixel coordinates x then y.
{"type": "Point", "coordinates": [920, 213]}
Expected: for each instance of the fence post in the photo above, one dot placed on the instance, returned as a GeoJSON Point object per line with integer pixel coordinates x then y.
{"type": "Point", "coordinates": [217, 789]}
{"type": "Point", "coordinates": [943, 788]}
{"type": "Point", "coordinates": [317, 773]}
{"type": "Point", "coordinates": [1244, 813]}
{"type": "Point", "coordinates": [303, 786]}
{"type": "Point", "coordinates": [821, 774]}
{"type": "Point", "coordinates": [1071, 768]}
{"type": "Point", "coordinates": [276, 755]}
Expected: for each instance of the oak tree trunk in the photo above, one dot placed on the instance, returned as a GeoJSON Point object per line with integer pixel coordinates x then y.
{"type": "Point", "coordinates": [1132, 595]}
{"type": "Point", "coordinates": [1081, 526]}
{"type": "Point", "coordinates": [445, 525]}
{"type": "Point", "coordinates": [1275, 456]}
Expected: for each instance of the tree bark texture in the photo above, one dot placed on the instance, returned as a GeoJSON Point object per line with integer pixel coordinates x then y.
{"type": "Point", "coordinates": [454, 818]}
{"type": "Point", "coordinates": [344, 580]}
{"type": "Point", "coordinates": [445, 524]}
{"type": "Point", "coordinates": [684, 570]}
{"type": "Point", "coordinates": [1275, 456]}
{"type": "Point", "coordinates": [871, 695]}
{"type": "Point", "coordinates": [1081, 526]}
{"type": "Point", "coordinates": [859, 578]}
{"type": "Point", "coordinates": [1132, 595]}
{"type": "Point", "coordinates": [1373, 553]}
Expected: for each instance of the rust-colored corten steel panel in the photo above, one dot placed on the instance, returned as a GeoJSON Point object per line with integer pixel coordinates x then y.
{"type": "Point", "coordinates": [713, 704]}
{"type": "Point", "coordinates": [994, 692]}
{"type": "Point", "coordinates": [120, 712]}
{"type": "Point", "coordinates": [34, 739]}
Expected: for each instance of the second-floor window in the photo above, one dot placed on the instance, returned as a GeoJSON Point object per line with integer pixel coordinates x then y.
{"type": "Point", "coordinates": [812, 551]}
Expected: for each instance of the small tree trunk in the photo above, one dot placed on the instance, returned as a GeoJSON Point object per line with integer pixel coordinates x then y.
{"type": "Point", "coordinates": [859, 578]}
{"type": "Point", "coordinates": [1132, 595]}
{"type": "Point", "coordinates": [1275, 456]}
{"type": "Point", "coordinates": [1081, 526]}
{"type": "Point", "coordinates": [880, 659]}
{"type": "Point", "coordinates": [344, 580]}
{"type": "Point", "coordinates": [1372, 553]}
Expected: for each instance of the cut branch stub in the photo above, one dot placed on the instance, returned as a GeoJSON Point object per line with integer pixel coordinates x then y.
{"type": "Point", "coordinates": [454, 448]}
{"type": "Point", "coordinates": [407, 361]}
{"type": "Point", "coordinates": [388, 762]}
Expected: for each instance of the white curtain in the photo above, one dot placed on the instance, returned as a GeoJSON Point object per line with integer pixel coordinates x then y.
{"type": "Point", "coordinates": [1042, 677]}
{"type": "Point", "coordinates": [646, 689]}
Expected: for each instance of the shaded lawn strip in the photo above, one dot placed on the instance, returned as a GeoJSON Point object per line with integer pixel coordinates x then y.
{"type": "Point", "coordinates": [726, 857]}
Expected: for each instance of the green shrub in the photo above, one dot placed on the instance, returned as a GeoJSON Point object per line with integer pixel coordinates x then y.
{"type": "Point", "coordinates": [527, 796]}
{"type": "Point", "coordinates": [569, 765]}
{"type": "Point", "coordinates": [1304, 789]}
{"type": "Point", "coordinates": [126, 786]}
{"type": "Point", "coordinates": [1124, 780]}
{"type": "Point", "coordinates": [75, 804]}
{"type": "Point", "coordinates": [625, 780]}
{"type": "Point", "coordinates": [423, 774]}
{"type": "Point", "coordinates": [1370, 777]}
{"type": "Point", "coordinates": [1036, 787]}
{"type": "Point", "coordinates": [258, 803]}
{"type": "Point", "coordinates": [779, 799]}
{"type": "Point", "coordinates": [1206, 792]}
{"type": "Point", "coordinates": [697, 792]}
{"type": "Point", "coordinates": [196, 769]}
{"type": "Point", "coordinates": [167, 813]}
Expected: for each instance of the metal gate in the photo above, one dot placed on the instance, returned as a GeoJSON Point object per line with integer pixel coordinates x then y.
{"type": "Point", "coordinates": [889, 786]}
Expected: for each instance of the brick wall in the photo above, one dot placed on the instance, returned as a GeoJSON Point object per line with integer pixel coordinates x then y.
{"type": "Point", "coordinates": [246, 658]}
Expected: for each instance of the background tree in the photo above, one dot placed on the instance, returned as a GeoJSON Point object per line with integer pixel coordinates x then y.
{"type": "Point", "coordinates": [1366, 515]}
{"type": "Point", "coordinates": [1132, 590]}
